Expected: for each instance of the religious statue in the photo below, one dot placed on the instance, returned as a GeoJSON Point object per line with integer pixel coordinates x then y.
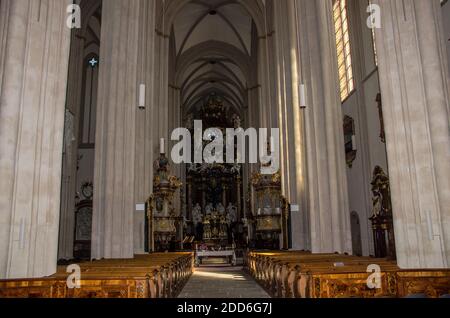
{"type": "Point", "coordinates": [207, 233]}
{"type": "Point", "coordinates": [215, 227]}
{"type": "Point", "coordinates": [220, 208]}
{"type": "Point", "coordinates": [236, 121]}
{"type": "Point", "coordinates": [223, 229]}
{"type": "Point", "coordinates": [382, 223]}
{"type": "Point", "coordinates": [376, 204]}
{"type": "Point", "coordinates": [197, 216]}
{"type": "Point", "coordinates": [161, 166]}
{"type": "Point", "coordinates": [231, 214]}
{"type": "Point", "coordinates": [209, 208]}
{"type": "Point", "coordinates": [381, 193]}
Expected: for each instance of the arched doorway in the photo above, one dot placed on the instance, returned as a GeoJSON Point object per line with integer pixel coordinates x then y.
{"type": "Point", "coordinates": [356, 233]}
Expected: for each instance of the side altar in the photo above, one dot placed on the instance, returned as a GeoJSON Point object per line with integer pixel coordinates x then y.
{"type": "Point", "coordinates": [164, 221]}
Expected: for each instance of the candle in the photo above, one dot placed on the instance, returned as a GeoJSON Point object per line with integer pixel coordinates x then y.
{"type": "Point", "coordinates": [302, 96]}
{"type": "Point", "coordinates": [162, 147]}
{"type": "Point", "coordinates": [142, 96]}
{"type": "Point", "coordinates": [353, 142]}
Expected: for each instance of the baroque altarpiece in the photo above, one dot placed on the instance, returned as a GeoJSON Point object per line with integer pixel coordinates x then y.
{"type": "Point", "coordinates": [212, 213]}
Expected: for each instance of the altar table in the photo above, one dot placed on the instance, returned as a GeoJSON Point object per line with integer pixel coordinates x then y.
{"type": "Point", "coordinates": [230, 255]}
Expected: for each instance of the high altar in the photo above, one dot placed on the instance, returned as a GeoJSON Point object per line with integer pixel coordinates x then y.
{"type": "Point", "coordinates": [208, 213]}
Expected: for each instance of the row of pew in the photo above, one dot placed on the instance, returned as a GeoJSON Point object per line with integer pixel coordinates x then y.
{"type": "Point", "coordinates": [160, 275]}
{"type": "Point", "coordinates": [307, 275]}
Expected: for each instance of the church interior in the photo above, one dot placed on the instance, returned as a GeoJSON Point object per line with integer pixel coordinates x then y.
{"type": "Point", "coordinates": [94, 204]}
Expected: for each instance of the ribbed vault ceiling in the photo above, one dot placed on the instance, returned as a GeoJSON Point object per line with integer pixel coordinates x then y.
{"type": "Point", "coordinates": [213, 43]}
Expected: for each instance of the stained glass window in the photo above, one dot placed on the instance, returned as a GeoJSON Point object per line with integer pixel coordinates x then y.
{"type": "Point", "coordinates": [340, 16]}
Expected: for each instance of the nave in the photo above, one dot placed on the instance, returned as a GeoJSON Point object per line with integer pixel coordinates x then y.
{"type": "Point", "coordinates": [94, 193]}
{"type": "Point", "coordinates": [222, 282]}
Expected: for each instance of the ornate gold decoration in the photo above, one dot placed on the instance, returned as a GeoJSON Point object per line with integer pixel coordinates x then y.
{"type": "Point", "coordinates": [307, 275]}
{"type": "Point", "coordinates": [270, 209]}
{"type": "Point", "coordinates": [163, 220]}
{"type": "Point", "coordinates": [157, 276]}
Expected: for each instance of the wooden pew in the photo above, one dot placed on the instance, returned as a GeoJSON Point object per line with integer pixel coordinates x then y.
{"type": "Point", "coordinates": [302, 274]}
{"type": "Point", "coordinates": [432, 283]}
{"type": "Point", "coordinates": [147, 276]}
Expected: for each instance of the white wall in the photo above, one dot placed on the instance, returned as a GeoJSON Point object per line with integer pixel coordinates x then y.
{"type": "Point", "coordinates": [362, 107]}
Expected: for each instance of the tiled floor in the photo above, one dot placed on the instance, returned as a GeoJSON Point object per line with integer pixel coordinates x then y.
{"type": "Point", "coordinates": [222, 282]}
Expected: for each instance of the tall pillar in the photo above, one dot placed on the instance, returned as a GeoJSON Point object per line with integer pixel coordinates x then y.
{"type": "Point", "coordinates": [145, 121]}
{"type": "Point", "coordinates": [327, 188]}
{"type": "Point", "coordinates": [292, 143]}
{"type": "Point", "coordinates": [115, 156]}
{"type": "Point", "coordinates": [415, 91]}
{"type": "Point", "coordinates": [313, 157]}
{"type": "Point", "coordinates": [35, 52]}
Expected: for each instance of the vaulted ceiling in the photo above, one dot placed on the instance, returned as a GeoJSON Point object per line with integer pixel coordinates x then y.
{"type": "Point", "coordinates": [214, 44]}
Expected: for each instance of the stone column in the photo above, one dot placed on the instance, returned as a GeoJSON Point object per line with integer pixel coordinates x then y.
{"type": "Point", "coordinates": [35, 52]}
{"type": "Point", "coordinates": [415, 92]}
{"type": "Point", "coordinates": [145, 121]}
{"type": "Point", "coordinates": [115, 151]}
{"type": "Point", "coordinates": [292, 144]}
{"type": "Point", "coordinates": [313, 158]}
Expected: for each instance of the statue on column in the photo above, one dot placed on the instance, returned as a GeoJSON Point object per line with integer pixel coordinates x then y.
{"type": "Point", "coordinates": [161, 166]}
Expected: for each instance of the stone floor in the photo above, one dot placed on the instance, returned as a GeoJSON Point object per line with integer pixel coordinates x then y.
{"type": "Point", "coordinates": [222, 282]}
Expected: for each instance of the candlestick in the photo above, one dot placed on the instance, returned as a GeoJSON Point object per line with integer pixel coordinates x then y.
{"type": "Point", "coordinates": [302, 96]}
{"type": "Point", "coordinates": [142, 96]}
{"type": "Point", "coordinates": [162, 146]}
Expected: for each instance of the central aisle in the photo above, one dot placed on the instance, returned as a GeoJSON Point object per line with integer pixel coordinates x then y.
{"type": "Point", "coordinates": [222, 282]}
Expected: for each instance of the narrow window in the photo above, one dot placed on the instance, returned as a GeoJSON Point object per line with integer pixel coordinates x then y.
{"type": "Point", "coordinates": [340, 16]}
